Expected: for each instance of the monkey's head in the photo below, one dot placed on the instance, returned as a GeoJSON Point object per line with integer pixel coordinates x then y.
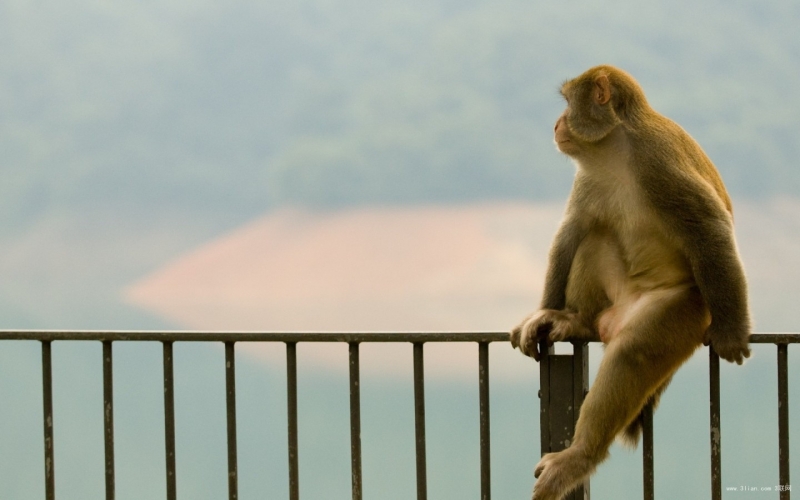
{"type": "Point", "coordinates": [598, 101]}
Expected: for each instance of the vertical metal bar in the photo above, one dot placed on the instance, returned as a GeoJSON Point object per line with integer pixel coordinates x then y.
{"type": "Point", "coordinates": [419, 419]}
{"type": "Point", "coordinates": [544, 396]}
{"type": "Point", "coordinates": [580, 387]}
{"type": "Point", "coordinates": [783, 421]}
{"type": "Point", "coordinates": [169, 420]}
{"type": "Point", "coordinates": [291, 391]}
{"type": "Point", "coordinates": [47, 393]}
{"type": "Point", "coordinates": [230, 390]}
{"type": "Point", "coordinates": [647, 452]}
{"type": "Point", "coordinates": [108, 417]}
{"type": "Point", "coordinates": [355, 421]}
{"type": "Point", "coordinates": [483, 387]}
{"type": "Point", "coordinates": [716, 437]}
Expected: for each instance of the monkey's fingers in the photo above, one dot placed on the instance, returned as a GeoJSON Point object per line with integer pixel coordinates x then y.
{"type": "Point", "coordinates": [532, 347]}
{"type": "Point", "coordinates": [514, 337]}
{"type": "Point", "coordinates": [524, 337]}
{"type": "Point", "coordinates": [527, 344]}
{"type": "Point", "coordinates": [535, 352]}
{"type": "Point", "coordinates": [742, 355]}
{"type": "Point", "coordinates": [734, 355]}
{"type": "Point", "coordinates": [544, 333]}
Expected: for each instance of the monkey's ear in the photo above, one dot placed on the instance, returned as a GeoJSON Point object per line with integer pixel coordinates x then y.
{"type": "Point", "coordinates": [602, 90]}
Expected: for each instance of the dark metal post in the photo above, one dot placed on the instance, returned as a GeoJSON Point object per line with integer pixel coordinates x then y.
{"type": "Point", "coordinates": [230, 390]}
{"type": "Point", "coordinates": [47, 391]}
{"type": "Point", "coordinates": [783, 421]}
{"type": "Point", "coordinates": [564, 381]}
{"type": "Point", "coordinates": [647, 453]}
{"type": "Point", "coordinates": [108, 417]}
{"type": "Point", "coordinates": [544, 396]}
{"type": "Point", "coordinates": [169, 420]}
{"type": "Point", "coordinates": [355, 421]}
{"type": "Point", "coordinates": [419, 420]}
{"type": "Point", "coordinates": [716, 436]}
{"type": "Point", "coordinates": [483, 385]}
{"type": "Point", "coordinates": [291, 393]}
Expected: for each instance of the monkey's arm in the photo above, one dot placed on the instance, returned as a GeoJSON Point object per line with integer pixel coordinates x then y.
{"type": "Point", "coordinates": [562, 253]}
{"type": "Point", "coordinates": [706, 231]}
{"type": "Point", "coordinates": [550, 321]}
{"type": "Point", "coordinates": [720, 277]}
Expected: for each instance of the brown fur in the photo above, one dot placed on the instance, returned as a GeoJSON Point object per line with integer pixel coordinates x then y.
{"type": "Point", "coordinates": [645, 260]}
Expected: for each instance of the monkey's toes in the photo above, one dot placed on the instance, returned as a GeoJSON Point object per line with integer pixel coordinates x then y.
{"type": "Point", "coordinates": [542, 464]}
{"type": "Point", "coordinates": [547, 486]}
{"type": "Point", "coordinates": [559, 473]}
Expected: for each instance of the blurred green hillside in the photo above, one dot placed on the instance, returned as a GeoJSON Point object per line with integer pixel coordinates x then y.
{"type": "Point", "coordinates": [233, 108]}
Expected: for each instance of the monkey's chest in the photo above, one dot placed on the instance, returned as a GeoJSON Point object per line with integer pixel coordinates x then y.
{"type": "Point", "coordinates": [648, 258]}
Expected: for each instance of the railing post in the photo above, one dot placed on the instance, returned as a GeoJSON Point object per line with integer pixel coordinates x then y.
{"type": "Point", "coordinates": [230, 397]}
{"type": "Point", "coordinates": [355, 422]}
{"type": "Point", "coordinates": [783, 421]}
{"type": "Point", "coordinates": [291, 405]}
{"type": "Point", "coordinates": [483, 405]}
{"type": "Point", "coordinates": [716, 428]}
{"type": "Point", "coordinates": [419, 420]}
{"type": "Point", "coordinates": [47, 391]}
{"type": "Point", "coordinates": [108, 417]}
{"type": "Point", "coordinates": [564, 381]}
{"type": "Point", "coordinates": [169, 420]}
{"type": "Point", "coordinates": [648, 473]}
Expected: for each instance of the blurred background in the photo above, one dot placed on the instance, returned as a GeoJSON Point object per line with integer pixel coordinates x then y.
{"type": "Point", "coordinates": [352, 165]}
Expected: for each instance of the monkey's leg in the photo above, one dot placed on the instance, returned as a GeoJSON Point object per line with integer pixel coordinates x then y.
{"type": "Point", "coordinates": [631, 434]}
{"type": "Point", "coordinates": [660, 331]}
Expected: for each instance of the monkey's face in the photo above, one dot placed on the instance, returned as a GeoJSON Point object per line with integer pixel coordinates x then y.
{"type": "Point", "coordinates": [566, 142]}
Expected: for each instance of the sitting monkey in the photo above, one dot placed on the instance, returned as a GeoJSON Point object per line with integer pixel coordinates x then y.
{"type": "Point", "coordinates": [644, 261]}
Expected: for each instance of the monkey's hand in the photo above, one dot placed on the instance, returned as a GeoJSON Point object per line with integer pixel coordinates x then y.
{"type": "Point", "coordinates": [730, 345]}
{"type": "Point", "coordinates": [548, 325]}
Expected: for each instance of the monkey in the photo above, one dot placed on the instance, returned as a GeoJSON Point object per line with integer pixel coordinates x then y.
{"type": "Point", "coordinates": [645, 261]}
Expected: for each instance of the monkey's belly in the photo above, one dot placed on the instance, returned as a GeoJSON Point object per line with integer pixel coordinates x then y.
{"type": "Point", "coordinates": [610, 286]}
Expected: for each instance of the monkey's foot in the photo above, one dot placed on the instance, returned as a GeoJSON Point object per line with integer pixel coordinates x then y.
{"type": "Point", "coordinates": [559, 473]}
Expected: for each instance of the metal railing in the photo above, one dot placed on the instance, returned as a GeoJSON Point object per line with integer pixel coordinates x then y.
{"type": "Point", "coordinates": [781, 341]}
{"type": "Point", "coordinates": [554, 369]}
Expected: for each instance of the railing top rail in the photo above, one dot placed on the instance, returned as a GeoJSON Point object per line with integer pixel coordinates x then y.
{"type": "Point", "coordinates": [251, 336]}
{"type": "Point", "coordinates": [263, 336]}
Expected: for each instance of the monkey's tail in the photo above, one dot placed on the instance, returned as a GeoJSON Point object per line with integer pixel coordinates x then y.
{"type": "Point", "coordinates": [633, 431]}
